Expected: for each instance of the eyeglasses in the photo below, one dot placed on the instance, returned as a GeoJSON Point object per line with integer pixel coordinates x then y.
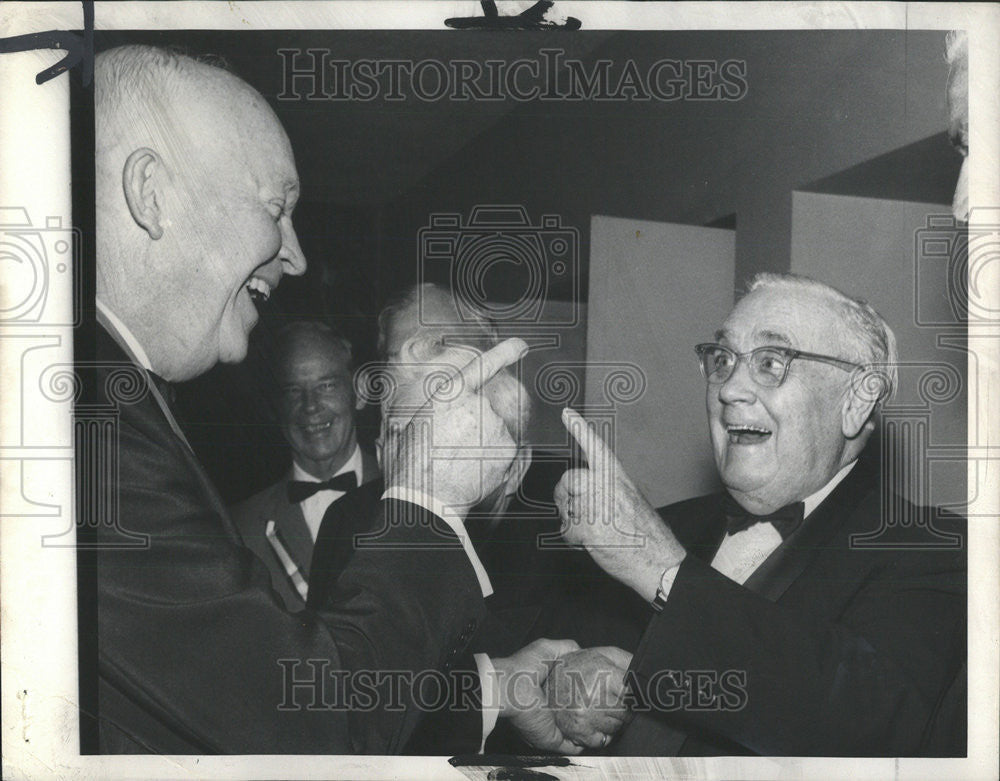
{"type": "Point", "coordinates": [768, 365]}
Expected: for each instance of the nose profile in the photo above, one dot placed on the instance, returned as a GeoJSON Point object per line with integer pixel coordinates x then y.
{"type": "Point", "coordinates": [293, 261]}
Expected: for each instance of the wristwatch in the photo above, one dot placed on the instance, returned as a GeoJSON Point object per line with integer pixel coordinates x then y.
{"type": "Point", "coordinates": [666, 581]}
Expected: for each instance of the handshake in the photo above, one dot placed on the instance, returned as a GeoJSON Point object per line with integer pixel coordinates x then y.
{"type": "Point", "coordinates": [561, 698]}
{"type": "Point", "coordinates": [558, 697]}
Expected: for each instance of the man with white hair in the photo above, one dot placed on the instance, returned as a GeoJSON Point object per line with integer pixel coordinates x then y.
{"type": "Point", "coordinates": [421, 340]}
{"type": "Point", "coordinates": [771, 629]}
{"type": "Point", "coordinates": [195, 653]}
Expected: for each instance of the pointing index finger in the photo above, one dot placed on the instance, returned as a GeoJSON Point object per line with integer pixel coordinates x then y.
{"type": "Point", "coordinates": [481, 369]}
{"type": "Point", "coordinates": [598, 454]}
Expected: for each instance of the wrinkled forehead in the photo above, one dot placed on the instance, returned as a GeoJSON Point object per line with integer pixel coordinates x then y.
{"type": "Point", "coordinates": [313, 354]}
{"type": "Point", "coordinates": [785, 317]}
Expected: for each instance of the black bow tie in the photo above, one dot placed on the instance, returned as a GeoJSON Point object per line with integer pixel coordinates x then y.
{"type": "Point", "coordinates": [785, 519]}
{"type": "Point", "coordinates": [299, 490]}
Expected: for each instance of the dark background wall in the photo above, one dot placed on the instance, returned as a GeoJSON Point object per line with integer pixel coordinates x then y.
{"type": "Point", "coordinates": [373, 172]}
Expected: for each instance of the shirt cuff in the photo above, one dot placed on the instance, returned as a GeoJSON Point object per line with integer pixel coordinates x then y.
{"type": "Point", "coordinates": [490, 693]}
{"type": "Point", "coordinates": [455, 523]}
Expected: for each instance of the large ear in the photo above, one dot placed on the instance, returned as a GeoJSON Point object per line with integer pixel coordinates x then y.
{"type": "Point", "coordinates": [421, 347]}
{"type": "Point", "coordinates": [859, 403]}
{"type": "Point", "coordinates": [139, 181]}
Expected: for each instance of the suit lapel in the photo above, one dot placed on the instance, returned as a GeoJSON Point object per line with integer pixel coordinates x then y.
{"type": "Point", "coordinates": [292, 529]}
{"type": "Point", "coordinates": [369, 468]}
{"type": "Point", "coordinates": [700, 527]}
{"type": "Point", "coordinates": [790, 559]}
{"type": "Point", "coordinates": [155, 408]}
{"type": "Point", "coordinates": [352, 514]}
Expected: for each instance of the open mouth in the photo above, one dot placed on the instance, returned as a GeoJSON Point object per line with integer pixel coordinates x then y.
{"type": "Point", "coordinates": [316, 428]}
{"type": "Point", "coordinates": [747, 434]}
{"type": "Point", "coordinates": [259, 289]}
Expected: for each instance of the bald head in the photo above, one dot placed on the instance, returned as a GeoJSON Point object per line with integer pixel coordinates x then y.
{"type": "Point", "coordinates": [196, 183]}
{"type": "Point", "coordinates": [188, 110]}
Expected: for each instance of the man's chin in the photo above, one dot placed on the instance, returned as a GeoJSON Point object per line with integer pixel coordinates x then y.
{"type": "Point", "coordinates": [740, 479]}
{"type": "Point", "coordinates": [233, 353]}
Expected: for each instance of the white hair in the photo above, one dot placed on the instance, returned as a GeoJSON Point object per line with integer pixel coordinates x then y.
{"type": "Point", "coordinates": [873, 339]}
{"type": "Point", "coordinates": [135, 88]}
{"type": "Point", "coordinates": [483, 332]}
{"type": "Point", "coordinates": [956, 46]}
{"type": "Point", "coordinates": [434, 346]}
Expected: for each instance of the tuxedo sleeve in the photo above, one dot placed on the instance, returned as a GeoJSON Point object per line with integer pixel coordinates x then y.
{"type": "Point", "coordinates": [197, 655]}
{"type": "Point", "coordinates": [451, 712]}
{"type": "Point", "coordinates": [780, 682]}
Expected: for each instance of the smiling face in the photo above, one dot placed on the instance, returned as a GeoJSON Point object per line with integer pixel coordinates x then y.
{"type": "Point", "coordinates": [775, 446]}
{"type": "Point", "coordinates": [317, 404]}
{"type": "Point", "coordinates": [227, 225]}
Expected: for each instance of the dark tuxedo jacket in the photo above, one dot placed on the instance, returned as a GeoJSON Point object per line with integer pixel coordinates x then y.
{"type": "Point", "coordinates": [829, 649]}
{"type": "Point", "coordinates": [537, 577]}
{"type": "Point", "coordinates": [195, 652]}
{"type": "Point", "coordinates": [541, 588]}
{"type": "Point", "coordinates": [271, 504]}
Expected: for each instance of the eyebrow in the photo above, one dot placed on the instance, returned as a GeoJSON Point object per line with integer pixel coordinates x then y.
{"type": "Point", "coordinates": [764, 335]}
{"type": "Point", "coordinates": [773, 337]}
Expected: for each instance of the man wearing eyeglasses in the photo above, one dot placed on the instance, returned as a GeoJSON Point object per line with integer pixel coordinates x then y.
{"type": "Point", "coordinates": [770, 632]}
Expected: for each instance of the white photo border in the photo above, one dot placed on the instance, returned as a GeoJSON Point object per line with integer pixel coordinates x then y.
{"type": "Point", "coordinates": [38, 586]}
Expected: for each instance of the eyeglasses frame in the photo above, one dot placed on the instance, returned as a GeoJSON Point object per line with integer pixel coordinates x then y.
{"type": "Point", "coordinates": [790, 353]}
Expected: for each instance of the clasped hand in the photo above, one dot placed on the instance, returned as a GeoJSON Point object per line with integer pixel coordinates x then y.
{"type": "Point", "coordinates": [563, 699]}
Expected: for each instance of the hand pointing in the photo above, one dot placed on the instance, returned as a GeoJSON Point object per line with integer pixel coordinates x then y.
{"type": "Point", "coordinates": [456, 448]}
{"type": "Point", "coordinates": [603, 511]}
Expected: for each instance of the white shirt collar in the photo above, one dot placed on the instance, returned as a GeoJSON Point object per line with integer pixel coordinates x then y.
{"type": "Point", "coordinates": [353, 464]}
{"type": "Point", "coordinates": [813, 501]}
{"type": "Point", "coordinates": [130, 341]}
